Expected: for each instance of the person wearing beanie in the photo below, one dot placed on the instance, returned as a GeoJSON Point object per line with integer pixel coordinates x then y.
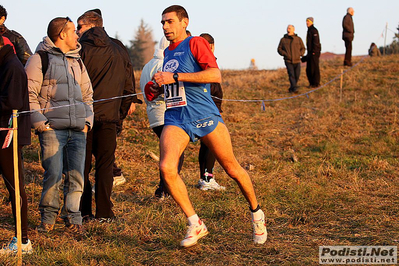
{"type": "Point", "coordinates": [313, 54]}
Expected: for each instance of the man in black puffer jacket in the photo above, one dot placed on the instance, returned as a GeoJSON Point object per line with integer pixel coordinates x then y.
{"type": "Point", "coordinates": [292, 48]}
{"type": "Point", "coordinates": [21, 46]}
{"type": "Point", "coordinates": [312, 58]}
{"type": "Point", "coordinates": [108, 67]}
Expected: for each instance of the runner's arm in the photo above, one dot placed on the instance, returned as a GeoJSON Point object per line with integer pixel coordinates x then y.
{"type": "Point", "coordinates": [209, 75]}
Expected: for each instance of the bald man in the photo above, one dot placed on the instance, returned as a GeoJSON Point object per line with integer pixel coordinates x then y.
{"type": "Point", "coordinates": [348, 31]}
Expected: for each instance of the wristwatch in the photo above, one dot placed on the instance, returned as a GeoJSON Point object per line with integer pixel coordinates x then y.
{"type": "Point", "coordinates": [176, 77]}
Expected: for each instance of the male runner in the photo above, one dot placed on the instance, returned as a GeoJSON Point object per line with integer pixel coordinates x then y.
{"type": "Point", "coordinates": [189, 67]}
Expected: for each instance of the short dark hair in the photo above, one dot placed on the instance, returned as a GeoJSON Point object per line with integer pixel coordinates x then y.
{"type": "Point", "coordinates": [3, 12]}
{"type": "Point", "coordinates": [180, 11]}
{"type": "Point", "coordinates": [92, 17]}
{"type": "Point", "coordinates": [55, 27]}
{"type": "Point", "coordinates": [208, 37]}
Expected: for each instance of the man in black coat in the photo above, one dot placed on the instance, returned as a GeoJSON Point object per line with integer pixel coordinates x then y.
{"type": "Point", "coordinates": [21, 46]}
{"type": "Point", "coordinates": [109, 68]}
{"type": "Point", "coordinates": [348, 31]}
{"type": "Point", "coordinates": [312, 58]}
{"type": "Point", "coordinates": [14, 96]}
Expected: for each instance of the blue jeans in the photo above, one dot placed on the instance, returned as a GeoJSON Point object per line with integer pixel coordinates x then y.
{"type": "Point", "coordinates": [63, 152]}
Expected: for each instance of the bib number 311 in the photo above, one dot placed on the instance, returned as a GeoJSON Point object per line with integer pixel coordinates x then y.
{"type": "Point", "coordinates": [175, 95]}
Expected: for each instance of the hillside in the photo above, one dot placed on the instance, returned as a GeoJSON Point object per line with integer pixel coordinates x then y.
{"type": "Point", "coordinates": [325, 167]}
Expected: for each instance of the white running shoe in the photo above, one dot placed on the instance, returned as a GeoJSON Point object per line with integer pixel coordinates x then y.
{"type": "Point", "coordinates": [12, 247]}
{"type": "Point", "coordinates": [260, 232]}
{"type": "Point", "coordinates": [194, 232]}
{"type": "Point", "coordinates": [211, 185]}
{"type": "Point", "coordinates": [118, 180]}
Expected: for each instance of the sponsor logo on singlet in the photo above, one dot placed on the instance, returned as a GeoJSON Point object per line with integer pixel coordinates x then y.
{"type": "Point", "coordinates": [171, 66]}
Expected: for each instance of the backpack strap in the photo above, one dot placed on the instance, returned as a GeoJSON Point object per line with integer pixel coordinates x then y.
{"type": "Point", "coordinates": [80, 64]}
{"type": "Point", "coordinates": [44, 58]}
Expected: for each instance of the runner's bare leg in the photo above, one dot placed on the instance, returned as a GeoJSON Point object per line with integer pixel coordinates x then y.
{"type": "Point", "coordinates": [172, 144]}
{"type": "Point", "coordinates": [219, 142]}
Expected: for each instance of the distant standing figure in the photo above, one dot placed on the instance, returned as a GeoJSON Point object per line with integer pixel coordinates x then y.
{"type": "Point", "coordinates": [252, 65]}
{"type": "Point", "coordinates": [292, 48]}
{"type": "Point", "coordinates": [21, 46]}
{"type": "Point", "coordinates": [312, 58]}
{"type": "Point", "coordinates": [374, 51]}
{"type": "Point", "coordinates": [348, 30]}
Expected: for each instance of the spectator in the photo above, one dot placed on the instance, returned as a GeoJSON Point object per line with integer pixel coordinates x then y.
{"type": "Point", "coordinates": [374, 51]}
{"type": "Point", "coordinates": [14, 95]}
{"type": "Point", "coordinates": [206, 158]}
{"type": "Point", "coordinates": [292, 48]}
{"type": "Point", "coordinates": [112, 79]}
{"type": "Point", "coordinates": [348, 31]}
{"type": "Point", "coordinates": [127, 109]}
{"type": "Point", "coordinates": [62, 131]}
{"type": "Point", "coordinates": [21, 46]}
{"type": "Point", "coordinates": [313, 55]}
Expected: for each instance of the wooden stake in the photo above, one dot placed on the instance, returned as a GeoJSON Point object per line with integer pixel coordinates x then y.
{"type": "Point", "coordinates": [16, 186]}
{"type": "Point", "coordinates": [340, 86]}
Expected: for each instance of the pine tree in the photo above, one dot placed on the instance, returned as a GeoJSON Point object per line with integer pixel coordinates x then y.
{"type": "Point", "coordinates": [141, 49]}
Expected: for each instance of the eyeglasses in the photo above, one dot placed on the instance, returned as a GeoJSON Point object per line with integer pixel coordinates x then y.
{"type": "Point", "coordinates": [79, 27]}
{"type": "Point", "coordinates": [66, 22]}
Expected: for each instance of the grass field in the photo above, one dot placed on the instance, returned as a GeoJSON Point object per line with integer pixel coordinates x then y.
{"type": "Point", "coordinates": [325, 168]}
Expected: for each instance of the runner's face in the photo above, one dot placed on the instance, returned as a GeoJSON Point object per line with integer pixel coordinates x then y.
{"type": "Point", "coordinates": [174, 29]}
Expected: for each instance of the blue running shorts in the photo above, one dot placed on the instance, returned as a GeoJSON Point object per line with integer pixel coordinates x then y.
{"type": "Point", "coordinates": [200, 128]}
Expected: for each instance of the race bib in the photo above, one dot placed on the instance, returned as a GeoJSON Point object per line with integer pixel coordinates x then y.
{"type": "Point", "coordinates": [175, 95]}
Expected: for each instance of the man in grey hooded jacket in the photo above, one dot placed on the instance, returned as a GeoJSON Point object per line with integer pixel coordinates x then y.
{"type": "Point", "coordinates": [62, 114]}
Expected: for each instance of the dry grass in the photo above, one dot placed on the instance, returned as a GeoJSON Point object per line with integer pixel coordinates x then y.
{"type": "Point", "coordinates": [325, 171]}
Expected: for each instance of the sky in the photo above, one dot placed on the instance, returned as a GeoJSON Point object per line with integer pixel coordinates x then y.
{"type": "Point", "coordinates": [242, 29]}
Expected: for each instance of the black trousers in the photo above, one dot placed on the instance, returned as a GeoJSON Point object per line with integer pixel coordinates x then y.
{"type": "Point", "coordinates": [348, 53]}
{"type": "Point", "coordinates": [313, 70]}
{"type": "Point", "coordinates": [7, 171]}
{"type": "Point", "coordinates": [206, 161]}
{"type": "Point", "coordinates": [101, 142]}
{"type": "Point", "coordinates": [294, 71]}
